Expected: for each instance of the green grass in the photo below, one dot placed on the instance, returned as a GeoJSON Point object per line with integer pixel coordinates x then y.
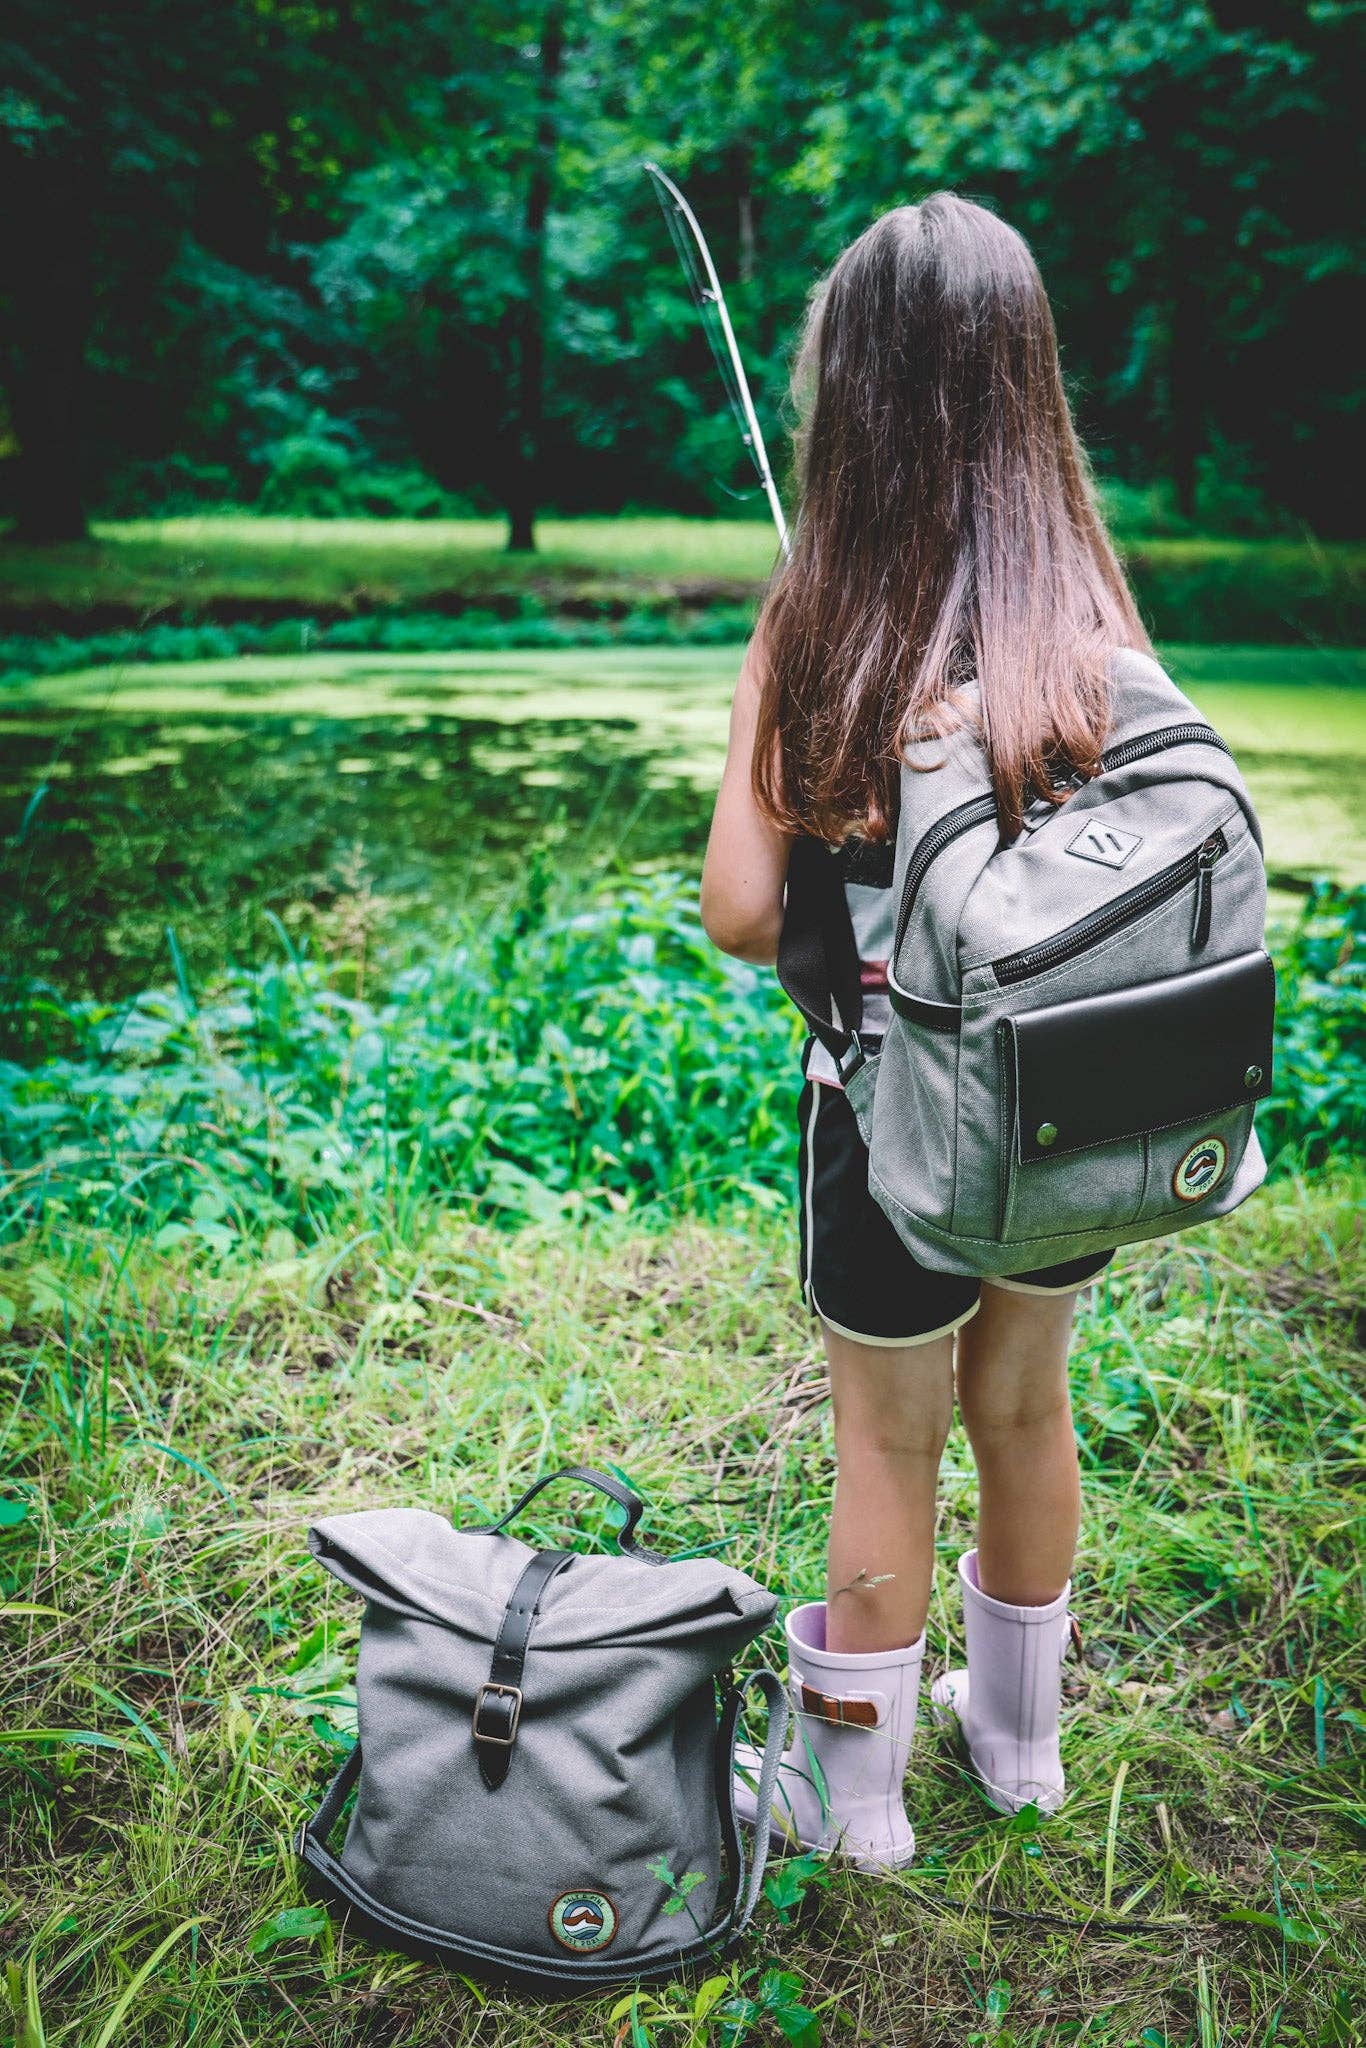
{"type": "Point", "coordinates": [572, 1044]}
{"type": "Point", "coordinates": [139, 570]}
{"type": "Point", "coordinates": [399, 562]}
{"type": "Point", "coordinates": [255, 1267]}
{"type": "Point", "coordinates": [174, 1421]}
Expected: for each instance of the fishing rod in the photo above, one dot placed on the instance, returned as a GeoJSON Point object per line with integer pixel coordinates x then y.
{"type": "Point", "coordinates": [705, 286]}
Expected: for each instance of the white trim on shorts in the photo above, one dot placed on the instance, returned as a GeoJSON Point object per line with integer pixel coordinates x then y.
{"type": "Point", "coordinates": [893, 1343]}
{"type": "Point", "coordinates": [808, 1200]}
{"type": "Point", "coordinates": [1028, 1286]}
{"type": "Point", "coordinates": [809, 1196]}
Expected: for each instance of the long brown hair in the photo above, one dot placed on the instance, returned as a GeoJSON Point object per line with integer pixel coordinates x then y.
{"type": "Point", "coordinates": [947, 532]}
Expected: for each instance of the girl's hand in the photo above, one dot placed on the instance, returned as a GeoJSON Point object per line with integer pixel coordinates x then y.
{"type": "Point", "coordinates": [745, 872]}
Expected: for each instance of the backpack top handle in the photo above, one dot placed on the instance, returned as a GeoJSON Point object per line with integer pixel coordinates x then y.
{"type": "Point", "coordinates": [621, 1496]}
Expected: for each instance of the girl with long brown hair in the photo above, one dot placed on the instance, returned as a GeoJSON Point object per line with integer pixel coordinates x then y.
{"type": "Point", "coordinates": [948, 563]}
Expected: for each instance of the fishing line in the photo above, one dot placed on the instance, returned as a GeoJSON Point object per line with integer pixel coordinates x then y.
{"type": "Point", "coordinates": [705, 288]}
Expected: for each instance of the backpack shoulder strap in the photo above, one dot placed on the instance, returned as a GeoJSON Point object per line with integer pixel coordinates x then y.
{"type": "Point", "coordinates": [818, 962]}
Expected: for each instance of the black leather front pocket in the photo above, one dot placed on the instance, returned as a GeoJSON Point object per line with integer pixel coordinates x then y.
{"type": "Point", "coordinates": [1141, 1060]}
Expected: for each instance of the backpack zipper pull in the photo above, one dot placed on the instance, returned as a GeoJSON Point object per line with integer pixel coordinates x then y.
{"type": "Point", "coordinates": [1204, 889]}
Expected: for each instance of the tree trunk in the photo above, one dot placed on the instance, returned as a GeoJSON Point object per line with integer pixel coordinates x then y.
{"type": "Point", "coordinates": [745, 212]}
{"type": "Point", "coordinates": [46, 249]}
{"type": "Point", "coordinates": [525, 472]}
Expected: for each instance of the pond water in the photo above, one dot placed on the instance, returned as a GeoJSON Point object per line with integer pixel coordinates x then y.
{"type": "Point", "coordinates": [199, 796]}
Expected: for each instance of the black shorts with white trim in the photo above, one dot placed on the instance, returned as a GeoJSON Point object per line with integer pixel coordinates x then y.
{"type": "Point", "coordinates": [856, 1274]}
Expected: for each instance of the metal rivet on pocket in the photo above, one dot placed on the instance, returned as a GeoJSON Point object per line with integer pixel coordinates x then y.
{"type": "Point", "coordinates": [1045, 1134]}
{"type": "Point", "coordinates": [1252, 1077]}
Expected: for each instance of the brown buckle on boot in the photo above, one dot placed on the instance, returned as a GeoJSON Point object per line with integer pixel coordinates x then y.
{"type": "Point", "coordinates": [839, 1713]}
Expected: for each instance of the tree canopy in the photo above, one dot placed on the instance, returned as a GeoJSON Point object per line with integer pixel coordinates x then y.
{"type": "Point", "coordinates": [326, 255]}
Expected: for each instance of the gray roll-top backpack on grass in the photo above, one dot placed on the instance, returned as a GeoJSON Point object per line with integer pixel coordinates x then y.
{"type": "Point", "coordinates": [1081, 1020]}
{"type": "Point", "coordinates": [544, 1788]}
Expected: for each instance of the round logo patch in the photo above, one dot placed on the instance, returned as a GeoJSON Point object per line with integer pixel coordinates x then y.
{"type": "Point", "coordinates": [1200, 1170]}
{"type": "Point", "coordinates": [583, 1921]}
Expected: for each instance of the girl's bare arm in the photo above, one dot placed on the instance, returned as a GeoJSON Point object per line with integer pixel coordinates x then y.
{"type": "Point", "coordinates": [745, 871]}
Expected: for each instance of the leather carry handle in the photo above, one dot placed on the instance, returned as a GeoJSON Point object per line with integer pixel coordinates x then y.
{"type": "Point", "coordinates": [338, 1886]}
{"type": "Point", "coordinates": [587, 1475]}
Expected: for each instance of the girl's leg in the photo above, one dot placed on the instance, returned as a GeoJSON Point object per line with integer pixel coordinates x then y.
{"type": "Point", "coordinates": [1014, 1400]}
{"type": "Point", "coordinates": [892, 1408]}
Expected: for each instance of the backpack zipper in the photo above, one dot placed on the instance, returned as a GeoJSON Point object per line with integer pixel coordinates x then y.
{"type": "Point", "coordinates": [1187, 735]}
{"type": "Point", "coordinates": [1005, 1077]}
{"type": "Point", "coordinates": [1204, 888]}
{"type": "Point", "coordinates": [942, 833]}
{"type": "Point", "coordinates": [964, 817]}
{"type": "Point", "coordinates": [1102, 924]}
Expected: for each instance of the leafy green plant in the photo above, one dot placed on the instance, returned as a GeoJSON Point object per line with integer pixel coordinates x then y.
{"type": "Point", "coordinates": [554, 1053]}
{"type": "Point", "coordinates": [722, 2010]}
{"type": "Point", "coordinates": [1319, 1104]}
{"type": "Point", "coordinates": [680, 1889]}
{"type": "Point", "coordinates": [777, 1998]}
{"type": "Point", "coordinates": [790, 1879]}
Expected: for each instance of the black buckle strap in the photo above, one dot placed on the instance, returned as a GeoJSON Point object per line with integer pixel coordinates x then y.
{"type": "Point", "coordinates": [498, 1702]}
{"type": "Point", "coordinates": [497, 1708]}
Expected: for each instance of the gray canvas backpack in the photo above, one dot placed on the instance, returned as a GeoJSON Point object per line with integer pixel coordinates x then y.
{"type": "Point", "coordinates": [540, 1751]}
{"type": "Point", "coordinates": [1081, 1020]}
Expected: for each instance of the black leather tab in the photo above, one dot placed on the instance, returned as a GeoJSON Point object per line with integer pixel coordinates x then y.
{"type": "Point", "coordinates": [498, 1703]}
{"type": "Point", "coordinates": [1145, 1059]}
{"type": "Point", "coordinates": [920, 1010]}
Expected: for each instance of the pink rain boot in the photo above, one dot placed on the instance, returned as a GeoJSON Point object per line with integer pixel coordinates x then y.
{"type": "Point", "coordinates": [855, 1717]}
{"type": "Point", "coordinates": [1004, 1707]}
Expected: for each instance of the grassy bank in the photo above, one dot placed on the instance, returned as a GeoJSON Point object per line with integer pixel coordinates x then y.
{"type": "Point", "coordinates": [134, 574]}
{"type": "Point", "coordinates": [256, 1268]}
{"type": "Point", "coordinates": [178, 1669]}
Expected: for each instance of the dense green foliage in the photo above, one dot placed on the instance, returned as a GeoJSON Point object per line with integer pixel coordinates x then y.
{"type": "Point", "coordinates": [550, 1054]}
{"type": "Point", "coordinates": [1319, 1106]}
{"type": "Point", "coordinates": [552, 1051]}
{"type": "Point", "coordinates": [335, 261]}
{"type": "Point", "coordinates": [525, 623]}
